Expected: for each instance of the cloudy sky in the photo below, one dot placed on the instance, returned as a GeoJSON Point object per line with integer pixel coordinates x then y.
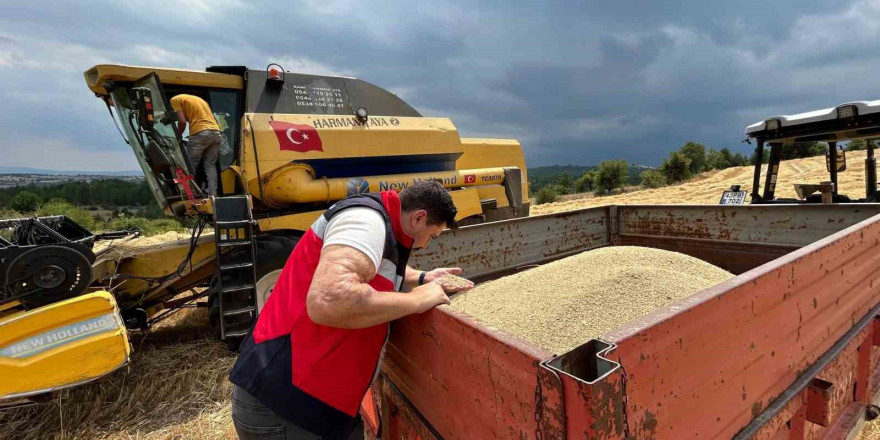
{"type": "Point", "coordinates": [574, 82]}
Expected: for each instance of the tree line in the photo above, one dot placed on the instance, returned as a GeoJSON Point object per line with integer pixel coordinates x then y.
{"type": "Point", "coordinates": [103, 192]}
{"type": "Point", "coordinates": [123, 197]}
{"type": "Point", "coordinates": [131, 205]}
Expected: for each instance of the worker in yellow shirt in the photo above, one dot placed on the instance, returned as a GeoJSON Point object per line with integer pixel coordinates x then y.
{"type": "Point", "coordinates": [204, 135]}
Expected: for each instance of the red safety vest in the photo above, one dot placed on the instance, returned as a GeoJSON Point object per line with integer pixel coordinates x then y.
{"type": "Point", "coordinates": [314, 375]}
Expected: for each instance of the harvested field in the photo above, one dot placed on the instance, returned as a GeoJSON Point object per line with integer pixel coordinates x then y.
{"type": "Point", "coordinates": [562, 304]}
{"type": "Point", "coordinates": [175, 387]}
{"type": "Point", "coordinates": [706, 188]}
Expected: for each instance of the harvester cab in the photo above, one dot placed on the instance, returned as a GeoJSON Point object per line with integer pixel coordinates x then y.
{"type": "Point", "coordinates": [852, 121]}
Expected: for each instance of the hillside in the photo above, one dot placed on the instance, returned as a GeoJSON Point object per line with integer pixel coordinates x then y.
{"type": "Point", "coordinates": [706, 188]}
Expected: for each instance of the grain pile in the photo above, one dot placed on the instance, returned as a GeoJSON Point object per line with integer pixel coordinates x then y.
{"type": "Point", "coordinates": [129, 245]}
{"type": "Point", "coordinates": [562, 304]}
{"type": "Point", "coordinates": [871, 431]}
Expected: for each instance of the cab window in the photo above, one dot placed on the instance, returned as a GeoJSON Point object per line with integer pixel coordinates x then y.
{"type": "Point", "coordinates": [225, 104]}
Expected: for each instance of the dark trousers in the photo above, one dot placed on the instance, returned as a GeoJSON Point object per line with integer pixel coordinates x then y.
{"type": "Point", "coordinates": [255, 421]}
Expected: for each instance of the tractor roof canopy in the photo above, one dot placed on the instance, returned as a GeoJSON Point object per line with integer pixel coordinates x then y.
{"type": "Point", "coordinates": [852, 120]}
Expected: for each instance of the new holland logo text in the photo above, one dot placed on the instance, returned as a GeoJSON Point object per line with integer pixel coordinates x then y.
{"type": "Point", "coordinates": [445, 181]}
{"type": "Point", "coordinates": [59, 336]}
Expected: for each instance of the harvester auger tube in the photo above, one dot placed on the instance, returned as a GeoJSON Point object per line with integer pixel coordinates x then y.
{"type": "Point", "coordinates": [297, 183]}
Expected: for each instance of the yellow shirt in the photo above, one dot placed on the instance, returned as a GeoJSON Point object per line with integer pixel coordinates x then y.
{"type": "Point", "coordinates": [196, 111]}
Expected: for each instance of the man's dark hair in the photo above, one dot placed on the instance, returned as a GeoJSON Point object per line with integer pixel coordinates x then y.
{"type": "Point", "coordinates": [433, 198]}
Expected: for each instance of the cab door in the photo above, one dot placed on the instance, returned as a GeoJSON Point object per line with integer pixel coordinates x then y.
{"type": "Point", "coordinates": [151, 126]}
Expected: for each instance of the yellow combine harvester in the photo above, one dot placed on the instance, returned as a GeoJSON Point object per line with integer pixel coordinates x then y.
{"type": "Point", "coordinates": [293, 144]}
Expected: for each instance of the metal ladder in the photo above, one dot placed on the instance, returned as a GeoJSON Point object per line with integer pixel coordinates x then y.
{"type": "Point", "coordinates": [236, 270]}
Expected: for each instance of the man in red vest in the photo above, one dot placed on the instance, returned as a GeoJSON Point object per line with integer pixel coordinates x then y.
{"type": "Point", "coordinates": [305, 367]}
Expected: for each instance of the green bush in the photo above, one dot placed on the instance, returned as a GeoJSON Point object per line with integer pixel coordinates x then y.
{"type": "Point", "coordinates": [8, 213]}
{"type": "Point", "coordinates": [585, 182]}
{"type": "Point", "coordinates": [611, 174]}
{"type": "Point", "coordinates": [546, 195]}
{"type": "Point", "coordinates": [697, 154]}
{"type": "Point", "coordinates": [60, 207]}
{"type": "Point", "coordinates": [25, 201]}
{"type": "Point", "coordinates": [565, 184]}
{"type": "Point", "coordinates": [676, 167]}
{"type": "Point", "coordinates": [560, 190]}
{"type": "Point", "coordinates": [856, 145]}
{"type": "Point", "coordinates": [653, 179]}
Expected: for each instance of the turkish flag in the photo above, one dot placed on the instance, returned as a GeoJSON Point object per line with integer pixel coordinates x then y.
{"type": "Point", "coordinates": [470, 178]}
{"type": "Point", "coordinates": [296, 137]}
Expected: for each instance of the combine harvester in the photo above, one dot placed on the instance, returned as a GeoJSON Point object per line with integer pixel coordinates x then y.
{"type": "Point", "coordinates": [786, 350]}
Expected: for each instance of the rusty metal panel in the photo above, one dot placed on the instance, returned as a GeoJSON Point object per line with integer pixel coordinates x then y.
{"type": "Point", "coordinates": [400, 420]}
{"type": "Point", "coordinates": [797, 225]}
{"type": "Point", "coordinates": [705, 366]}
{"type": "Point", "coordinates": [469, 381]}
{"type": "Point", "coordinates": [549, 405]}
{"type": "Point", "coordinates": [819, 395]}
{"type": "Point", "coordinates": [875, 373]}
{"type": "Point", "coordinates": [842, 374]}
{"type": "Point", "coordinates": [594, 392]}
{"type": "Point", "coordinates": [842, 429]}
{"type": "Point", "coordinates": [490, 249]}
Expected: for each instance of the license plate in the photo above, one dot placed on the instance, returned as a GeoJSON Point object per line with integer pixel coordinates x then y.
{"type": "Point", "coordinates": [733, 198]}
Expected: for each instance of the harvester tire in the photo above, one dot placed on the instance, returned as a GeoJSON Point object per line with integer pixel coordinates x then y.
{"type": "Point", "coordinates": [272, 252]}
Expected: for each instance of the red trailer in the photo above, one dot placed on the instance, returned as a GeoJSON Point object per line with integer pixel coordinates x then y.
{"type": "Point", "coordinates": [785, 350]}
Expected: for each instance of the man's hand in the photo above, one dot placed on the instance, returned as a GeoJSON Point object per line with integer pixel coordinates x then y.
{"type": "Point", "coordinates": [454, 284]}
{"type": "Point", "coordinates": [449, 285]}
{"type": "Point", "coordinates": [436, 274]}
{"type": "Point", "coordinates": [429, 296]}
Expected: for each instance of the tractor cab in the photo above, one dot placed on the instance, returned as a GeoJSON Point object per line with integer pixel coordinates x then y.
{"type": "Point", "coordinates": [858, 120]}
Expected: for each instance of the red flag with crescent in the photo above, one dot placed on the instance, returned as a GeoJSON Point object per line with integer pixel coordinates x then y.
{"type": "Point", "coordinates": [296, 137]}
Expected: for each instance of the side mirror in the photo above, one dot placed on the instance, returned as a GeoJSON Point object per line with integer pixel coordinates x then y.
{"type": "Point", "coordinates": [142, 98]}
{"type": "Point", "coordinates": [841, 160]}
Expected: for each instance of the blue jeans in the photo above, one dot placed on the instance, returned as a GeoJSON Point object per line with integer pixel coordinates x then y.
{"type": "Point", "coordinates": [204, 147]}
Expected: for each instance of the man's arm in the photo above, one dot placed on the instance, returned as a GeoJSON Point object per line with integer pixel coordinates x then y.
{"type": "Point", "coordinates": [181, 121]}
{"type": "Point", "coordinates": [340, 296]}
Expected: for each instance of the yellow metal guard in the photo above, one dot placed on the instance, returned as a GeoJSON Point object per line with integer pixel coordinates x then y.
{"type": "Point", "coordinates": [61, 345]}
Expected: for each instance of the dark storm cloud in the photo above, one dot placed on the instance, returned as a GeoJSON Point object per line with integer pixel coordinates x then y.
{"type": "Point", "coordinates": [575, 82]}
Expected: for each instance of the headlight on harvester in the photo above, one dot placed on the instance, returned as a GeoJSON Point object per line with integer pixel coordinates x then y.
{"type": "Point", "coordinates": [772, 124]}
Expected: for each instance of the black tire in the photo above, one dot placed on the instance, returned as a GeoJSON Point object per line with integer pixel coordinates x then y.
{"type": "Point", "coordinates": [272, 252]}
